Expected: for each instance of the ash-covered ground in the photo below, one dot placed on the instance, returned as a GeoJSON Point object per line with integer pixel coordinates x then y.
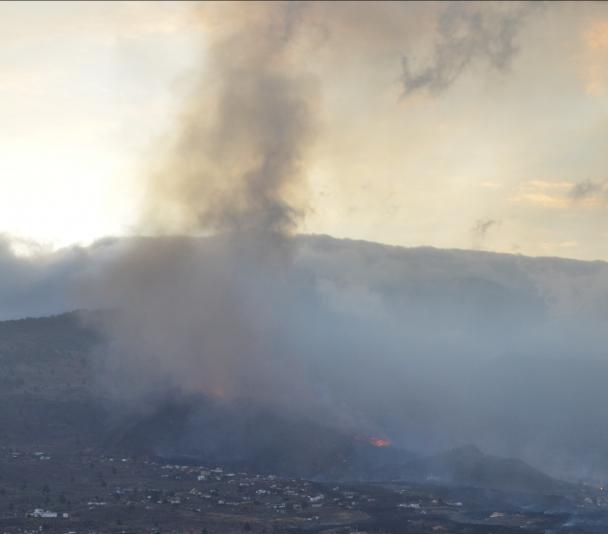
{"type": "Point", "coordinates": [68, 465]}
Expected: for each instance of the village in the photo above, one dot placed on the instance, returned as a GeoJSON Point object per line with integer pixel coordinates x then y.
{"type": "Point", "coordinates": [87, 492]}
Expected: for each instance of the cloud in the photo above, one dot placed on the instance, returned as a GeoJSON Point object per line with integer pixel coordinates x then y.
{"type": "Point", "coordinates": [596, 55]}
{"type": "Point", "coordinates": [35, 281]}
{"type": "Point", "coordinates": [562, 194]}
{"type": "Point", "coordinates": [558, 247]}
{"type": "Point", "coordinates": [543, 193]}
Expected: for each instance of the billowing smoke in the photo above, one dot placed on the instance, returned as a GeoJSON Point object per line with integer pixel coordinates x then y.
{"type": "Point", "coordinates": [467, 33]}
{"type": "Point", "coordinates": [215, 321]}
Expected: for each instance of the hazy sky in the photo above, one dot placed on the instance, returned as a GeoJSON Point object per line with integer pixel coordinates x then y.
{"type": "Point", "coordinates": [500, 140]}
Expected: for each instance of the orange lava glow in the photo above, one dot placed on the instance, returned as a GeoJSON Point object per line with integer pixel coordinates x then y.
{"type": "Point", "coordinates": [380, 442]}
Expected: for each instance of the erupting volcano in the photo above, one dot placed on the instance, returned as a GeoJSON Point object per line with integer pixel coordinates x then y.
{"type": "Point", "coordinates": [336, 297]}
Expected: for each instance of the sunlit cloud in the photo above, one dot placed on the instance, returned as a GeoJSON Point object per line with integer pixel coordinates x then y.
{"type": "Point", "coordinates": [489, 184]}
{"type": "Point", "coordinates": [560, 194]}
{"type": "Point", "coordinates": [543, 194]}
{"type": "Point", "coordinates": [558, 247]}
{"type": "Point", "coordinates": [596, 73]}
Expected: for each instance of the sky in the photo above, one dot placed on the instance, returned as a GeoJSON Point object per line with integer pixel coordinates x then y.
{"type": "Point", "coordinates": [455, 126]}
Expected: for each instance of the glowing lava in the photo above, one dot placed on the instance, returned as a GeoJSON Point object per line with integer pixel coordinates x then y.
{"type": "Point", "coordinates": [380, 442]}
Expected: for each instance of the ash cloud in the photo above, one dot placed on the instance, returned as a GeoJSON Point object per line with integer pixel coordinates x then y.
{"type": "Point", "coordinates": [467, 33]}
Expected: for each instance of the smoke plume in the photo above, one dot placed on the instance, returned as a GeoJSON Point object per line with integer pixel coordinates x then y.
{"type": "Point", "coordinates": [215, 321]}
{"type": "Point", "coordinates": [236, 157]}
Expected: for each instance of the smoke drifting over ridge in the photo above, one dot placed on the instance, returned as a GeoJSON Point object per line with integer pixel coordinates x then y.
{"type": "Point", "coordinates": [428, 348]}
